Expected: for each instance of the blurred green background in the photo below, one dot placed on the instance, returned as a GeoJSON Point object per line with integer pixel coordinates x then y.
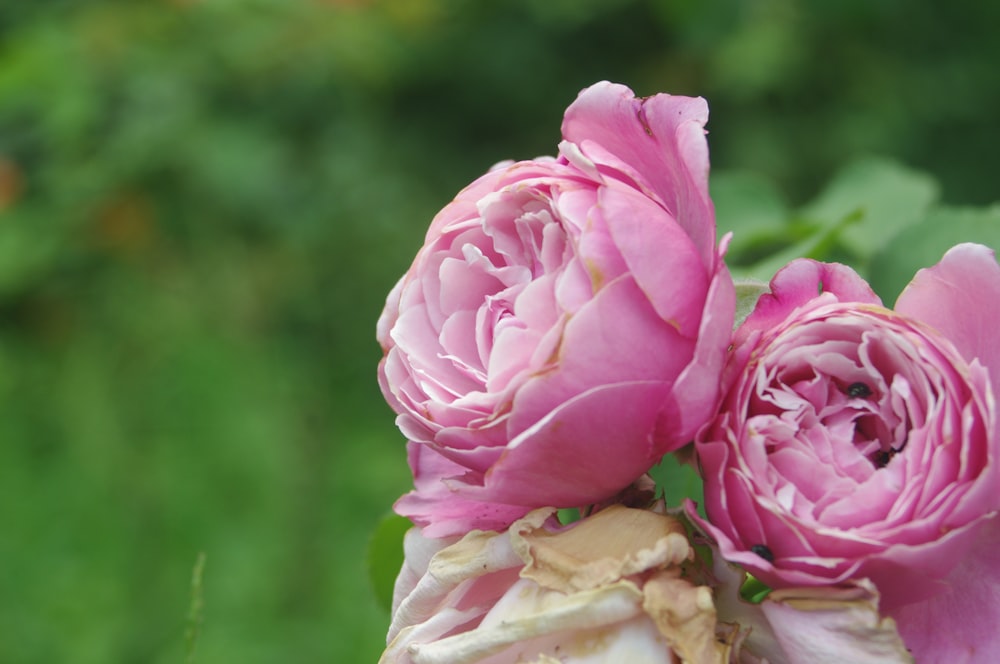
{"type": "Point", "coordinates": [203, 205]}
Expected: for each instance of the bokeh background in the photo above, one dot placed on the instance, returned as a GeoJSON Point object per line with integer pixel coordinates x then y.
{"type": "Point", "coordinates": [204, 203]}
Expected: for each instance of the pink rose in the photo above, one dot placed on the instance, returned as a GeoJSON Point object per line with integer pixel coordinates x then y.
{"type": "Point", "coordinates": [565, 323]}
{"type": "Point", "coordinates": [854, 442]}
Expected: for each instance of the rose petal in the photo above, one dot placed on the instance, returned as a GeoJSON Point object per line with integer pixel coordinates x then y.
{"type": "Point", "coordinates": [959, 626]}
{"type": "Point", "coordinates": [614, 543]}
{"type": "Point", "coordinates": [663, 138]}
{"type": "Point", "coordinates": [439, 509]}
{"type": "Point", "coordinates": [614, 421]}
{"type": "Point", "coordinates": [958, 297]}
{"type": "Point", "coordinates": [833, 625]}
{"type": "Point", "coordinates": [657, 251]}
{"type": "Point", "coordinates": [800, 283]}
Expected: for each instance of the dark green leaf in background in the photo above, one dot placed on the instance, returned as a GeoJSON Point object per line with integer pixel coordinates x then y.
{"type": "Point", "coordinates": [922, 245]}
{"type": "Point", "coordinates": [866, 204]}
{"type": "Point", "coordinates": [884, 197]}
{"type": "Point", "coordinates": [385, 556]}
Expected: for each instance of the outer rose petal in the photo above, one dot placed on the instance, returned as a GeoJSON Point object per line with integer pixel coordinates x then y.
{"type": "Point", "coordinates": [959, 626]}
{"type": "Point", "coordinates": [803, 282]}
{"type": "Point", "coordinates": [666, 147]}
{"type": "Point", "coordinates": [434, 502]}
{"type": "Point", "coordinates": [688, 406]}
{"type": "Point", "coordinates": [958, 297]}
{"type": "Point", "coordinates": [534, 466]}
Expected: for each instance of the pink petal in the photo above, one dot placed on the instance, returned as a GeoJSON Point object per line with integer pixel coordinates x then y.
{"type": "Point", "coordinates": [800, 283]}
{"type": "Point", "coordinates": [616, 337]}
{"type": "Point", "coordinates": [661, 256]}
{"type": "Point", "coordinates": [440, 509]}
{"type": "Point", "coordinates": [958, 297]}
{"type": "Point", "coordinates": [663, 138]}
{"type": "Point", "coordinates": [959, 626]}
{"type": "Point", "coordinates": [694, 396]}
{"type": "Point", "coordinates": [584, 451]}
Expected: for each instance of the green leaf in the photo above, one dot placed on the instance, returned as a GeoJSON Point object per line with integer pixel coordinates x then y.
{"type": "Point", "coordinates": [747, 294]}
{"type": "Point", "coordinates": [746, 203]}
{"type": "Point", "coordinates": [568, 515]}
{"type": "Point", "coordinates": [818, 245]}
{"type": "Point", "coordinates": [676, 481]}
{"type": "Point", "coordinates": [923, 245]}
{"type": "Point", "coordinates": [385, 556]}
{"type": "Point", "coordinates": [753, 590]}
{"type": "Point", "coordinates": [750, 207]}
{"type": "Point", "coordinates": [884, 196]}
{"type": "Point", "coordinates": [863, 207]}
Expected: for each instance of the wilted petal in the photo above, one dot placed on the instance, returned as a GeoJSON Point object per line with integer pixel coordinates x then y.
{"type": "Point", "coordinates": [612, 544]}
{"type": "Point", "coordinates": [814, 625]}
{"type": "Point", "coordinates": [833, 626]}
{"type": "Point", "coordinates": [607, 588]}
{"type": "Point", "coordinates": [522, 626]}
{"type": "Point", "coordinates": [685, 615]}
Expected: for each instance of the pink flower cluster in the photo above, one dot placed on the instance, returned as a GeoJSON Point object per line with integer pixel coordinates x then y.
{"type": "Point", "coordinates": [569, 321]}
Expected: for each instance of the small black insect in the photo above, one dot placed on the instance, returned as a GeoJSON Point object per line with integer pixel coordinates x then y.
{"type": "Point", "coordinates": [859, 390]}
{"type": "Point", "coordinates": [882, 457]}
{"type": "Point", "coordinates": [763, 552]}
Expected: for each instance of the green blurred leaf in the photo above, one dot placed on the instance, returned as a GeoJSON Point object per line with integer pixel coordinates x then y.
{"type": "Point", "coordinates": [746, 203]}
{"type": "Point", "coordinates": [385, 556]}
{"type": "Point", "coordinates": [747, 294]}
{"type": "Point", "coordinates": [749, 206]}
{"type": "Point", "coordinates": [923, 245]}
{"type": "Point", "coordinates": [676, 481]}
{"type": "Point", "coordinates": [28, 251]}
{"type": "Point", "coordinates": [884, 195]}
{"type": "Point", "coordinates": [862, 208]}
{"type": "Point", "coordinates": [818, 244]}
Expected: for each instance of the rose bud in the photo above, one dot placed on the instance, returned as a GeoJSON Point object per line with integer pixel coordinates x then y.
{"type": "Point", "coordinates": [565, 323]}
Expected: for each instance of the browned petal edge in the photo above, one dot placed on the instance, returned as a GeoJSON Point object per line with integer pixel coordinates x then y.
{"type": "Point", "coordinates": [478, 553]}
{"type": "Point", "coordinates": [685, 616]}
{"type": "Point", "coordinates": [608, 545]}
{"type": "Point", "coordinates": [847, 617]}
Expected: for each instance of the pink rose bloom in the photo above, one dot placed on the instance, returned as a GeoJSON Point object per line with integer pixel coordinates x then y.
{"type": "Point", "coordinates": [854, 442]}
{"type": "Point", "coordinates": [565, 323]}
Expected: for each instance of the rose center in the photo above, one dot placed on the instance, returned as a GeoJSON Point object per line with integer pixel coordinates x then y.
{"type": "Point", "coordinates": [857, 384]}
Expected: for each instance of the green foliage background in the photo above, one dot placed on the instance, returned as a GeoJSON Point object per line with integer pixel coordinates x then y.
{"type": "Point", "coordinates": [203, 205]}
